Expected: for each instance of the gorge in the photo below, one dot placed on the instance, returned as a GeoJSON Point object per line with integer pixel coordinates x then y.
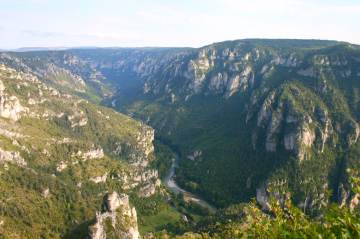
{"type": "Point", "coordinates": [220, 125]}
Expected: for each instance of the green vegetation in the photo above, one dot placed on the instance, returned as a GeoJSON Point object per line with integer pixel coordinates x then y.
{"type": "Point", "coordinates": [219, 127]}
{"type": "Point", "coordinates": [55, 194]}
{"type": "Point", "coordinates": [281, 221]}
{"type": "Point", "coordinates": [164, 156]}
{"type": "Point", "coordinates": [277, 115]}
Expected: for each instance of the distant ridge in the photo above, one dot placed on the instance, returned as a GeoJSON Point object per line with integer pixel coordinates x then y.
{"type": "Point", "coordinates": [29, 49]}
{"type": "Point", "coordinates": [274, 42]}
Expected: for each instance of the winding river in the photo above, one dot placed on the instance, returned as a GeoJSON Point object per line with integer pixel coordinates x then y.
{"type": "Point", "coordinates": [188, 196]}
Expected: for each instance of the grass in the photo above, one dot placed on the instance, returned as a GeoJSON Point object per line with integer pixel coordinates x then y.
{"type": "Point", "coordinates": [158, 221]}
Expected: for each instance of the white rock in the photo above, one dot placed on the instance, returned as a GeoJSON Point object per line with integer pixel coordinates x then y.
{"type": "Point", "coordinates": [195, 155]}
{"type": "Point", "coordinates": [218, 82]}
{"type": "Point", "coordinates": [265, 111]}
{"type": "Point", "coordinates": [355, 201]}
{"type": "Point", "coordinates": [61, 166]}
{"type": "Point", "coordinates": [262, 198]}
{"type": "Point", "coordinates": [113, 103]}
{"type": "Point", "coordinates": [95, 153]}
{"type": "Point", "coordinates": [240, 81]}
{"type": "Point", "coordinates": [99, 179]}
{"type": "Point", "coordinates": [45, 193]}
{"type": "Point", "coordinates": [289, 141]}
{"type": "Point", "coordinates": [10, 107]}
{"type": "Point", "coordinates": [113, 201]}
{"type": "Point", "coordinates": [147, 191]}
{"type": "Point", "coordinates": [11, 157]}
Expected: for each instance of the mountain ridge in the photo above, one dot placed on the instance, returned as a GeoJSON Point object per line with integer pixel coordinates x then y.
{"type": "Point", "coordinates": [249, 118]}
{"type": "Point", "coordinates": [31, 49]}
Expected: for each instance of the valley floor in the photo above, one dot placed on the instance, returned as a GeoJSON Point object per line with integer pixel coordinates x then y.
{"type": "Point", "coordinates": [188, 196]}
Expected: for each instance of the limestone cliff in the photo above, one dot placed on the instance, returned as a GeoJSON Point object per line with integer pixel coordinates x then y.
{"type": "Point", "coordinates": [261, 111]}
{"type": "Point", "coordinates": [116, 220]}
{"type": "Point", "coordinates": [64, 152]}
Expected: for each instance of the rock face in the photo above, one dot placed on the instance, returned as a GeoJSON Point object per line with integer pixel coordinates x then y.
{"type": "Point", "coordinates": [262, 198]}
{"type": "Point", "coordinates": [99, 179]}
{"type": "Point", "coordinates": [195, 155]}
{"type": "Point", "coordinates": [145, 141]}
{"type": "Point", "coordinates": [95, 153]}
{"type": "Point", "coordinates": [10, 106]}
{"type": "Point", "coordinates": [264, 105]}
{"type": "Point", "coordinates": [147, 190]}
{"type": "Point", "coordinates": [355, 201]}
{"type": "Point", "coordinates": [263, 194]}
{"type": "Point", "coordinates": [61, 166]}
{"type": "Point", "coordinates": [11, 157]}
{"type": "Point", "coordinates": [53, 138]}
{"type": "Point", "coordinates": [288, 127]}
{"type": "Point", "coordinates": [295, 100]}
{"type": "Point", "coordinates": [117, 220]}
{"type": "Point", "coordinates": [240, 82]}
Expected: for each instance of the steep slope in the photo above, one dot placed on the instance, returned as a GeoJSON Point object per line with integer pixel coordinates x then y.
{"type": "Point", "coordinates": [247, 113]}
{"type": "Point", "coordinates": [59, 154]}
{"type": "Point", "coordinates": [243, 115]}
{"type": "Point", "coordinates": [117, 219]}
{"type": "Point", "coordinates": [61, 70]}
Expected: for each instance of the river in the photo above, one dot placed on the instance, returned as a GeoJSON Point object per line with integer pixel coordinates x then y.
{"type": "Point", "coordinates": [188, 196]}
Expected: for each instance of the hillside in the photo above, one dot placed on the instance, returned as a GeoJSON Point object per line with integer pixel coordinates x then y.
{"type": "Point", "coordinates": [275, 120]}
{"type": "Point", "coordinates": [59, 154]}
{"type": "Point", "coordinates": [248, 113]}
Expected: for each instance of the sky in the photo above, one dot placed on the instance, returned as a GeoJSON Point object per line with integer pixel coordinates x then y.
{"type": "Point", "coordinates": [135, 23]}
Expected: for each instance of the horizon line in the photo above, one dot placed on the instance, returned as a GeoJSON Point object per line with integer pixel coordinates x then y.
{"type": "Point", "coordinates": [63, 48]}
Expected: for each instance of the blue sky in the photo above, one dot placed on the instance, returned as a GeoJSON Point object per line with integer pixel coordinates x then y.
{"type": "Point", "coordinates": [45, 23]}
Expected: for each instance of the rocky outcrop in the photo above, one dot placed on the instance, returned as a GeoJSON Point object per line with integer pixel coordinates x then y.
{"type": "Point", "coordinates": [262, 197]}
{"type": "Point", "coordinates": [10, 106]}
{"type": "Point", "coordinates": [78, 119]}
{"type": "Point", "coordinates": [305, 140]}
{"type": "Point", "coordinates": [288, 125]}
{"type": "Point", "coordinates": [144, 149]}
{"type": "Point", "coordinates": [199, 79]}
{"type": "Point", "coordinates": [117, 219]}
{"type": "Point", "coordinates": [199, 67]}
{"type": "Point", "coordinates": [355, 201]}
{"type": "Point", "coordinates": [300, 103]}
{"type": "Point", "coordinates": [57, 75]}
{"type": "Point", "coordinates": [94, 153]}
{"type": "Point", "coordinates": [272, 131]}
{"type": "Point", "coordinates": [139, 156]}
{"type": "Point", "coordinates": [271, 191]}
{"type": "Point", "coordinates": [149, 189]}
{"type": "Point", "coordinates": [11, 157]}
{"type": "Point", "coordinates": [240, 82]}
{"type": "Point", "coordinates": [265, 111]}
{"type": "Point", "coordinates": [145, 140]}
{"type": "Point", "coordinates": [195, 155]}
{"type": "Point", "coordinates": [61, 166]}
{"type": "Point", "coordinates": [99, 179]}
{"type": "Point", "coordinates": [70, 144]}
{"type": "Point", "coordinates": [218, 82]}
{"type": "Point", "coordinates": [354, 132]}
{"type": "Point", "coordinates": [347, 197]}
{"type": "Point", "coordinates": [45, 193]}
